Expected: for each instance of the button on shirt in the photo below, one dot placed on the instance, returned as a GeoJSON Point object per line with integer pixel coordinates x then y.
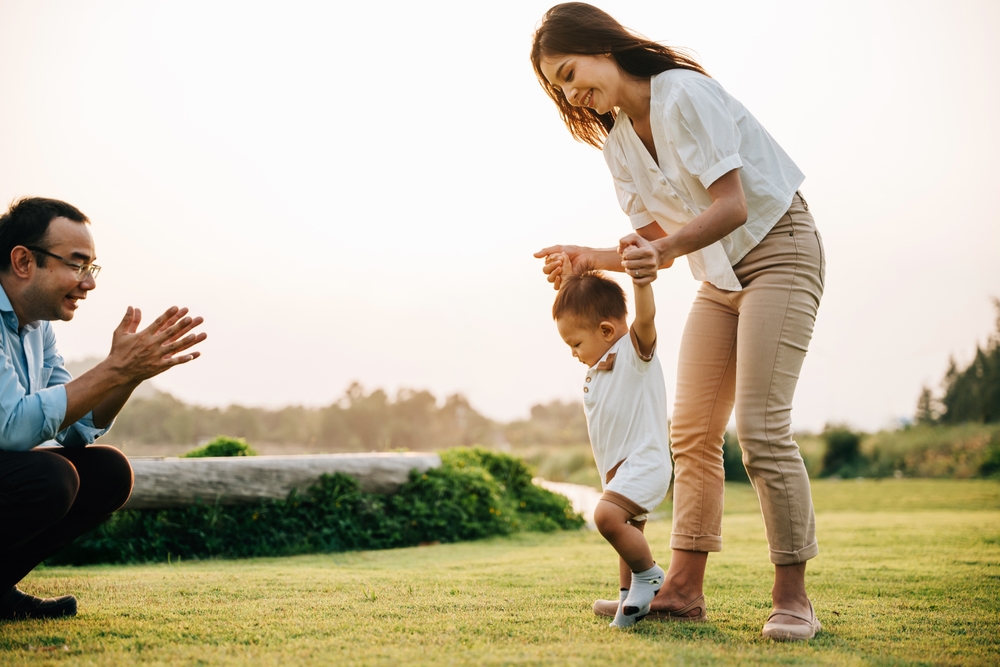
{"type": "Point", "coordinates": [700, 133]}
{"type": "Point", "coordinates": [32, 396]}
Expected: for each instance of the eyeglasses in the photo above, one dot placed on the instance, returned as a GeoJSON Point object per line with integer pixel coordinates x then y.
{"type": "Point", "coordinates": [83, 271]}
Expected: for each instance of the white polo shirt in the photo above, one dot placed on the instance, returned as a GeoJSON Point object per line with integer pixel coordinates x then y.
{"type": "Point", "coordinates": [625, 401]}
{"type": "Point", "coordinates": [700, 133]}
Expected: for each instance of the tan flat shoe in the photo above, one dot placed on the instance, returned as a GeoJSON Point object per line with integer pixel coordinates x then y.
{"type": "Point", "coordinates": [792, 632]}
{"type": "Point", "coordinates": [610, 607]}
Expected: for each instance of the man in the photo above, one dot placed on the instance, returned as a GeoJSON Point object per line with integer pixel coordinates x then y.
{"type": "Point", "coordinates": [50, 495]}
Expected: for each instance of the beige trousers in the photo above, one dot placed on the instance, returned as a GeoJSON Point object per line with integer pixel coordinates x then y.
{"type": "Point", "coordinates": [746, 349]}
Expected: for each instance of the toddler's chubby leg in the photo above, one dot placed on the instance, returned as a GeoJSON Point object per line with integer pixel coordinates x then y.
{"type": "Point", "coordinates": [646, 577]}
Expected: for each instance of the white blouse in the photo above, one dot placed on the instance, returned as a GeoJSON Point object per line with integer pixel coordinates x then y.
{"type": "Point", "coordinates": [700, 133]}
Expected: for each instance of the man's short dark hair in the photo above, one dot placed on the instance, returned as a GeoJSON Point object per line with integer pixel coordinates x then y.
{"type": "Point", "coordinates": [590, 296]}
{"type": "Point", "coordinates": [26, 223]}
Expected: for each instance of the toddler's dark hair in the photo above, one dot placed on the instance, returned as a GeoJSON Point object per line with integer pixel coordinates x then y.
{"type": "Point", "coordinates": [590, 296]}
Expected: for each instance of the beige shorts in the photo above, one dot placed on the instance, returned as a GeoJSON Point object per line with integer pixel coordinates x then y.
{"type": "Point", "coordinates": [639, 483]}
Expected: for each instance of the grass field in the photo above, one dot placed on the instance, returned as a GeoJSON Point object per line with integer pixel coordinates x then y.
{"type": "Point", "coordinates": [909, 573]}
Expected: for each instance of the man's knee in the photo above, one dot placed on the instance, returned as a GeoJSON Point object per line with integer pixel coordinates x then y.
{"type": "Point", "coordinates": [109, 468]}
{"type": "Point", "coordinates": [105, 476]}
{"type": "Point", "coordinates": [49, 486]}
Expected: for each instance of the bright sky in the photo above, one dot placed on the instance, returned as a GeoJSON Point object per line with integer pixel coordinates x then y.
{"type": "Point", "coordinates": [353, 191]}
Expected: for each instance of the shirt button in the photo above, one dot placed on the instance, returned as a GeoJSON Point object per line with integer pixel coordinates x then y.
{"type": "Point", "coordinates": [585, 390]}
{"type": "Point", "coordinates": [652, 170]}
{"type": "Point", "coordinates": [588, 379]}
{"type": "Point", "coordinates": [663, 181]}
{"type": "Point", "coordinates": [687, 209]}
{"type": "Point", "coordinates": [674, 195]}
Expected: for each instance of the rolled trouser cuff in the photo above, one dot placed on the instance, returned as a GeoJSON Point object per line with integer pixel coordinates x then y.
{"type": "Point", "coordinates": [695, 542]}
{"type": "Point", "coordinates": [794, 557]}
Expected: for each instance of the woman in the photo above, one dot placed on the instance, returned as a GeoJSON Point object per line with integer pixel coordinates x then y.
{"type": "Point", "coordinates": [699, 177]}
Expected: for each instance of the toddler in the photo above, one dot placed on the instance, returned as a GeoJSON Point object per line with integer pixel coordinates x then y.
{"type": "Point", "coordinates": [626, 406]}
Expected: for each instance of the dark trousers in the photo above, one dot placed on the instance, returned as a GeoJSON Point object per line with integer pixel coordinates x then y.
{"type": "Point", "coordinates": [50, 496]}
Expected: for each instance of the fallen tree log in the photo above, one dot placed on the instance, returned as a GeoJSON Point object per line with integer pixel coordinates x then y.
{"type": "Point", "coordinates": [178, 482]}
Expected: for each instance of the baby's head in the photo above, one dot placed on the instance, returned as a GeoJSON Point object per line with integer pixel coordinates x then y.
{"type": "Point", "coordinates": [590, 314]}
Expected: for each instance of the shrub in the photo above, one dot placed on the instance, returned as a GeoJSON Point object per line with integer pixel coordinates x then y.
{"type": "Point", "coordinates": [732, 459]}
{"type": "Point", "coordinates": [990, 466]}
{"type": "Point", "coordinates": [475, 493]}
{"type": "Point", "coordinates": [222, 446]}
{"type": "Point", "coordinates": [843, 453]}
{"type": "Point", "coordinates": [962, 451]}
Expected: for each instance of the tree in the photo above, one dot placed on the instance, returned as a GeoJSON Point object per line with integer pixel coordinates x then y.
{"type": "Point", "coordinates": [971, 394]}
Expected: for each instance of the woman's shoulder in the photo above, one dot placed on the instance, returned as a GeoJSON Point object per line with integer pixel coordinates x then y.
{"type": "Point", "coordinates": [669, 88]}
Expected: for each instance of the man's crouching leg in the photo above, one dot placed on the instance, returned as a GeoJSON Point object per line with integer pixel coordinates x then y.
{"type": "Point", "coordinates": [49, 497]}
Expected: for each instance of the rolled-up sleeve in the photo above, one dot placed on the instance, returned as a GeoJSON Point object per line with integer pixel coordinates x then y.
{"type": "Point", "coordinates": [705, 132]}
{"type": "Point", "coordinates": [628, 194]}
{"type": "Point", "coordinates": [82, 432]}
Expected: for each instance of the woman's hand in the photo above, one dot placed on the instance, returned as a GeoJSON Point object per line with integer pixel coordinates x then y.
{"type": "Point", "coordinates": [559, 261]}
{"type": "Point", "coordinates": [640, 259]}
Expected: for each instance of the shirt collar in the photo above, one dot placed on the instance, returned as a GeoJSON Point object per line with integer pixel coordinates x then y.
{"type": "Point", "coordinates": [10, 317]}
{"type": "Point", "coordinates": [607, 362]}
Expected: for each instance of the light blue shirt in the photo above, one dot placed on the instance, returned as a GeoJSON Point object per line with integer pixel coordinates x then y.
{"type": "Point", "coordinates": [32, 396]}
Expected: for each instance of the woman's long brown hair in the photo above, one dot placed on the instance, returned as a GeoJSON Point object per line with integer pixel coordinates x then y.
{"type": "Point", "coordinates": [576, 28]}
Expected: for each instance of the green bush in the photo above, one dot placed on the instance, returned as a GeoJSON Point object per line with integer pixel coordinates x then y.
{"type": "Point", "coordinates": [475, 494]}
{"type": "Point", "coordinates": [222, 446]}
{"type": "Point", "coordinates": [843, 453]}
{"type": "Point", "coordinates": [990, 467]}
{"type": "Point", "coordinates": [962, 451]}
{"type": "Point", "coordinates": [732, 459]}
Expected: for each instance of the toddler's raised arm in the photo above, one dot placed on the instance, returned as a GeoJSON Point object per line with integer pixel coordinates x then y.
{"type": "Point", "coordinates": [643, 325]}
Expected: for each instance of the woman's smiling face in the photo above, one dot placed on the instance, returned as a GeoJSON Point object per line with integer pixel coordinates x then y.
{"type": "Point", "coordinates": [585, 80]}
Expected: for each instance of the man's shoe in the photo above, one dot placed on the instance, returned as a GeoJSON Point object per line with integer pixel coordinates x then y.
{"type": "Point", "coordinates": [18, 605]}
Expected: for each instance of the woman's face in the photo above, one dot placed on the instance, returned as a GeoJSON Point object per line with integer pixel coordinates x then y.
{"type": "Point", "coordinates": [586, 81]}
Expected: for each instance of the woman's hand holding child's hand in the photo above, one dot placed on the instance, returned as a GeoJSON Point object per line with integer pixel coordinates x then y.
{"type": "Point", "coordinates": [558, 262]}
{"type": "Point", "coordinates": [639, 259]}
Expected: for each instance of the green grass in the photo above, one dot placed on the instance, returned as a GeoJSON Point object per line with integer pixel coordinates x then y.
{"type": "Point", "coordinates": [909, 574]}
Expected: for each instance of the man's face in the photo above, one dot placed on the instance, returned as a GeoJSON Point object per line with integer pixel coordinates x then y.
{"type": "Point", "coordinates": [55, 289]}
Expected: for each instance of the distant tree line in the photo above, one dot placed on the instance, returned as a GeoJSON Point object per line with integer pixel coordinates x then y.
{"type": "Point", "coordinates": [359, 421]}
{"type": "Point", "coordinates": [956, 434]}
{"type": "Point", "coordinates": [553, 423]}
{"type": "Point", "coordinates": [970, 394]}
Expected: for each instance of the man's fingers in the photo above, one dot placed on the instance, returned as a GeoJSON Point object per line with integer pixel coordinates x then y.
{"type": "Point", "coordinates": [184, 359]}
{"type": "Point", "coordinates": [173, 319]}
{"type": "Point", "coordinates": [183, 344]}
{"type": "Point", "coordinates": [180, 328]}
{"type": "Point", "coordinates": [123, 326]}
{"type": "Point", "coordinates": [171, 333]}
{"type": "Point", "coordinates": [161, 321]}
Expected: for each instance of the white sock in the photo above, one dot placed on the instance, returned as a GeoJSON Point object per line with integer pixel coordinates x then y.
{"type": "Point", "coordinates": [644, 587]}
{"type": "Point", "coordinates": [620, 620]}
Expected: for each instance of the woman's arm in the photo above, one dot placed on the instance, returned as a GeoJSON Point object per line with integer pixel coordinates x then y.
{"type": "Point", "coordinates": [727, 213]}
